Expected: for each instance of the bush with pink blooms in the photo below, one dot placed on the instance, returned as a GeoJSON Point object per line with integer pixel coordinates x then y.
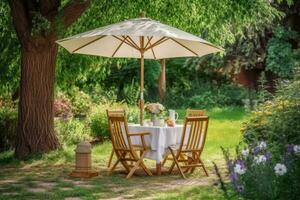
{"type": "Point", "coordinates": [62, 107]}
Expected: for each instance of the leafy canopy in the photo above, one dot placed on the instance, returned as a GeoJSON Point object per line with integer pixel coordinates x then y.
{"type": "Point", "coordinates": [219, 22]}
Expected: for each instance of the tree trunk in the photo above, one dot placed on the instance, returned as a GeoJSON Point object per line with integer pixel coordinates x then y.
{"type": "Point", "coordinates": [162, 80]}
{"type": "Point", "coordinates": [36, 122]}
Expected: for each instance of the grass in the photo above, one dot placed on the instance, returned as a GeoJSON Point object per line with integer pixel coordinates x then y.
{"type": "Point", "coordinates": [49, 173]}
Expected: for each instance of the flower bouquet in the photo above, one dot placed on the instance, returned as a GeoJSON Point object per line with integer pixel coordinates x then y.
{"type": "Point", "coordinates": [155, 109]}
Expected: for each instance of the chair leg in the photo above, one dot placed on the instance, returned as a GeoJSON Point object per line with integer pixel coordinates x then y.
{"type": "Point", "coordinates": [110, 158]}
{"type": "Point", "coordinates": [136, 166]}
{"type": "Point", "coordinates": [144, 166]}
{"type": "Point", "coordinates": [164, 161]}
{"type": "Point", "coordinates": [127, 168]}
{"type": "Point", "coordinates": [124, 163]}
{"type": "Point", "coordinates": [196, 160]}
{"type": "Point", "coordinates": [189, 161]}
{"type": "Point", "coordinates": [203, 167]}
{"type": "Point", "coordinates": [114, 166]}
{"type": "Point", "coordinates": [177, 164]}
{"type": "Point", "coordinates": [146, 169]}
{"type": "Point", "coordinates": [172, 167]}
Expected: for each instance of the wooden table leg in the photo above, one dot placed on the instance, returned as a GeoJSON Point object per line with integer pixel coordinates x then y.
{"type": "Point", "coordinates": [158, 169]}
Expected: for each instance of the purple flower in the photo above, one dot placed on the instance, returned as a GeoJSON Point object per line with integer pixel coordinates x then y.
{"type": "Point", "coordinates": [233, 177]}
{"type": "Point", "coordinates": [240, 162]}
{"type": "Point", "coordinates": [256, 150]}
{"type": "Point", "coordinates": [290, 148]}
{"type": "Point", "coordinates": [268, 155]}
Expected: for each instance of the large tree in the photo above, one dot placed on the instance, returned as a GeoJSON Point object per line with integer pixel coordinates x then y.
{"type": "Point", "coordinates": [37, 24]}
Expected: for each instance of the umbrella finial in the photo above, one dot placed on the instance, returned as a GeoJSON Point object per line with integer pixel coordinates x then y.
{"type": "Point", "coordinates": [142, 14]}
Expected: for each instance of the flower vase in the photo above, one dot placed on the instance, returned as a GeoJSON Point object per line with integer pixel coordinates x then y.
{"type": "Point", "coordinates": [153, 117]}
{"type": "Point", "coordinates": [157, 121]}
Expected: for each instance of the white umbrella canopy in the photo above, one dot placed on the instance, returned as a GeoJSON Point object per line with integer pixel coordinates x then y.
{"type": "Point", "coordinates": [138, 38]}
{"type": "Point", "coordinates": [123, 40]}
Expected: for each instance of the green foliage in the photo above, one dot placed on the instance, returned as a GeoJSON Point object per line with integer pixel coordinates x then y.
{"type": "Point", "coordinates": [9, 52]}
{"type": "Point", "coordinates": [40, 25]}
{"type": "Point", "coordinates": [263, 93]}
{"type": "Point", "coordinates": [227, 95]}
{"type": "Point", "coordinates": [8, 124]}
{"type": "Point", "coordinates": [132, 93]}
{"type": "Point", "coordinates": [277, 121]}
{"type": "Point", "coordinates": [190, 85]}
{"type": "Point", "coordinates": [126, 76]}
{"type": "Point", "coordinates": [283, 52]}
{"type": "Point", "coordinates": [220, 23]}
{"type": "Point", "coordinates": [255, 174]}
{"type": "Point", "coordinates": [81, 102]}
{"type": "Point", "coordinates": [71, 131]}
{"type": "Point", "coordinates": [98, 117]}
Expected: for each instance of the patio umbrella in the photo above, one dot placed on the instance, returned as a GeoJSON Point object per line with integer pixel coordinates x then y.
{"type": "Point", "coordinates": [141, 38]}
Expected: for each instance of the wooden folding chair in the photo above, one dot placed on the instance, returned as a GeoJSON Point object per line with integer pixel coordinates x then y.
{"type": "Point", "coordinates": [189, 113]}
{"type": "Point", "coordinates": [191, 146]}
{"type": "Point", "coordinates": [129, 155]}
{"type": "Point", "coordinates": [120, 111]}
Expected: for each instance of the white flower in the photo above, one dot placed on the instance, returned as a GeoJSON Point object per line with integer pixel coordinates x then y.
{"type": "Point", "coordinates": [245, 152]}
{"type": "Point", "coordinates": [262, 145]}
{"type": "Point", "coordinates": [297, 149]}
{"type": "Point", "coordinates": [239, 169]}
{"type": "Point", "coordinates": [280, 169]}
{"type": "Point", "coordinates": [261, 159]}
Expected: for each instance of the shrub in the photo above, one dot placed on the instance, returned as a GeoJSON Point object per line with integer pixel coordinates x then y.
{"type": "Point", "coordinates": [81, 102]}
{"type": "Point", "coordinates": [206, 96]}
{"type": "Point", "coordinates": [283, 52]}
{"type": "Point", "coordinates": [256, 174]}
{"type": "Point", "coordinates": [98, 118]}
{"type": "Point", "coordinates": [277, 121]}
{"type": "Point", "coordinates": [131, 93]}
{"type": "Point", "coordinates": [62, 106]}
{"type": "Point", "coordinates": [71, 131]}
{"type": "Point", "coordinates": [8, 124]}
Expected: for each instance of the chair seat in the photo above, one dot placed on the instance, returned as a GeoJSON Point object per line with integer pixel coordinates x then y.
{"type": "Point", "coordinates": [139, 148]}
{"type": "Point", "coordinates": [176, 147]}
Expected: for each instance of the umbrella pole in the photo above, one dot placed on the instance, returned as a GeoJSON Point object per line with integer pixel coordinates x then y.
{"type": "Point", "coordinates": [142, 91]}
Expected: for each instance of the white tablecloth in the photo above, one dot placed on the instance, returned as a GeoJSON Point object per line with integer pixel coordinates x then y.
{"type": "Point", "coordinates": [159, 139]}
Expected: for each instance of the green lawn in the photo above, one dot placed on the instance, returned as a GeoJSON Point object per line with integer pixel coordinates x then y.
{"type": "Point", "coordinates": [46, 177]}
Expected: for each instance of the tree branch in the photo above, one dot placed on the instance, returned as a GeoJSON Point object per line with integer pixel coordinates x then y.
{"type": "Point", "coordinates": [20, 18]}
{"type": "Point", "coordinates": [49, 8]}
{"type": "Point", "coordinates": [73, 10]}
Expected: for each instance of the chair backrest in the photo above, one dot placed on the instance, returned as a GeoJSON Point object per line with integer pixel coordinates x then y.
{"type": "Point", "coordinates": [118, 128]}
{"type": "Point", "coordinates": [194, 113]}
{"type": "Point", "coordinates": [194, 133]}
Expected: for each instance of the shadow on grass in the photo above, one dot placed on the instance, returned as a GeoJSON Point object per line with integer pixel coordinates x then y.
{"type": "Point", "coordinates": [59, 156]}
